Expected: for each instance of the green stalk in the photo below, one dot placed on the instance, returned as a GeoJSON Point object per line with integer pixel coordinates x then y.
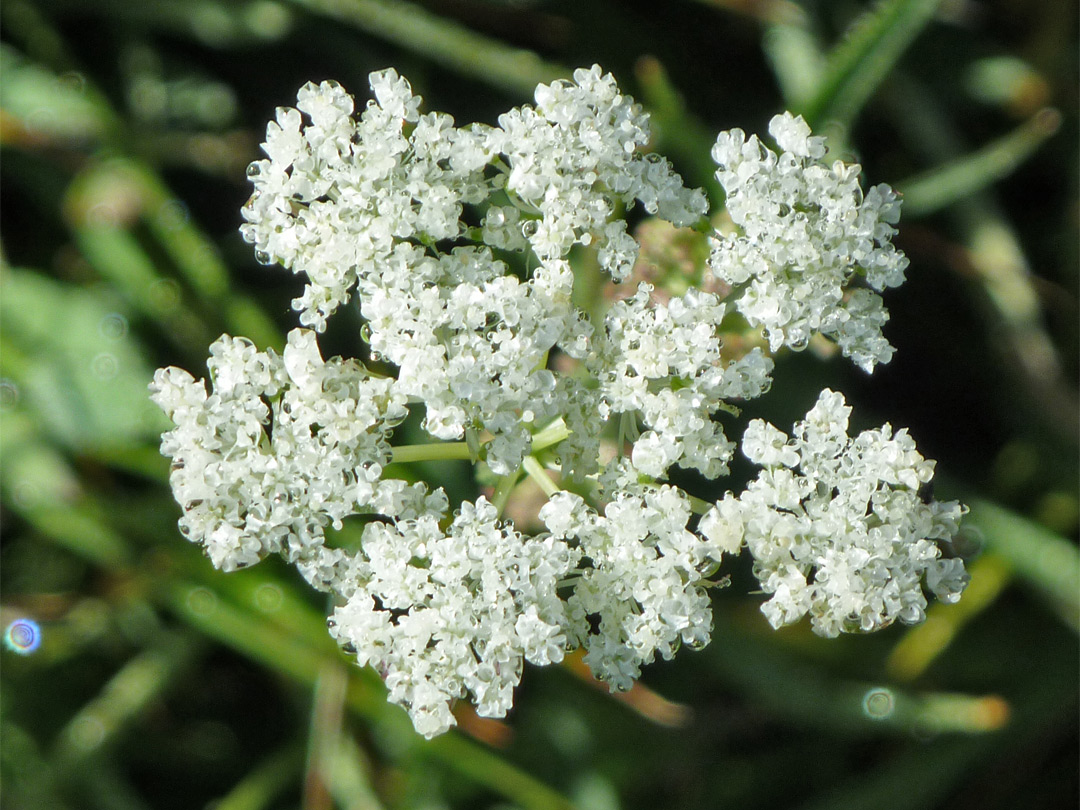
{"type": "Point", "coordinates": [265, 782]}
{"type": "Point", "coordinates": [536, 472]}
{"type": "Point", "coordinates": [554, 433]}
{"type": "Point", "coordinates": [857, 66]}
{"type": "Point", "coordinates": [436, 451]}
{"type": "Point", "coordinates": [503, 489]}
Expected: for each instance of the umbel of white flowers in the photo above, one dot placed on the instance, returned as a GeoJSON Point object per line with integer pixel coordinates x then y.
{"type": "Point", "coordinates": [415, 219]}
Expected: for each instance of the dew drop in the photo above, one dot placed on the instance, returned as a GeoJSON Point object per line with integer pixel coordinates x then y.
{"type": "Point", "coordinates": [254, 170]}
{"type": "Point", "coordinates": [173, 215]}
{"type": "Point", "coordinates": [262, 257]}
{"type": "Point", "coordinates": [164, 295]}
{"type": "Point", "coordinates": [26, 495]}
{"type": "Point", "coordinates": [72, 81]}
{"type": "Point", "coordinates": [103, 215]}
{"type": "Point", "coordinates": [87, 732]}
{"type": "Point", "coordinates": [201, 601]}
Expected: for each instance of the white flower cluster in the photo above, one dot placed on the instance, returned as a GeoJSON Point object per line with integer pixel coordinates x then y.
{"type": "Point", "coordinates": [665, 362]}
{"type": "Point", "coordinates": [837, 527]}
{"type": "Point", "coordinates": [442, 614]}
{"type": "Point", "coordinates": [645, 585]}
{"type": "Point", "coordinates": [806, 231]}
{"type": "Point", "coordinates": [455, 244]}
{"type": "Point", "coordinates": [284, 446]}
{"type": "Point", "coordinates": [362, 202]}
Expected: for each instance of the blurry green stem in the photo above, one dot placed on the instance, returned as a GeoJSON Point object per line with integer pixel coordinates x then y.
{"type": "Point", "coordinates": [857, 66]}
{"type": "Point", "coordinates": [537, 473]}
{"type": "Point", "coordinates": [941, 187]}
{"type": "Point", "coordinates": [263, 784]}
{"type": "Point", "coordinates": [124, 697]}
{"type": "Point", "coordinates": [921, 645]}
{"type": "Point", "coordinates": [435, 451]}
{"type": "Point", "coordinates": [676, 130]}
{"type": "Point", "coordinates": [443, 41]}
{"type": "Point", "coordinates": [303, 658]}
{"type": "Point", "coordinates": [1046, 560]}
{"type": "Point", "coordinates": [551, 435]}
{"type": "Point", "coordinates": [503, 489]}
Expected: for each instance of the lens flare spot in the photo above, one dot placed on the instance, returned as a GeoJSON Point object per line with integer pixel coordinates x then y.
{"type": "Point", "coordinates": [9, 395]}
{"type": "Point", "coordinates": [878, 704]}
{"type": "Point", "coordinates": [201, 601]}
{"type": "Point", "coordinates": [22, 636]}
{"type": "Point", "coordinates": [268, 598]}
{"type": "Point", "coordinates": [113, 326]}
{"type": "Point", "coordinates": [105, 366]}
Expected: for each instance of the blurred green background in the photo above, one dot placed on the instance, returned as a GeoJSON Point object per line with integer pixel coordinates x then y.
{"type": "Point", "coordinates": [125, 127]}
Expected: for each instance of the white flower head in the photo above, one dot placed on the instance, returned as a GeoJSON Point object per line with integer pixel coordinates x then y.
{"type": "Point", "coordinates": [837, 526]}
{"type": "Point", "coordinates": [442, 615]}
{"type": "Point", "coordinates": [283, 446]}
{"type": "Point", "coordinates": [415, 219]}
{"type": "Point", "coordinates": [806, 234]}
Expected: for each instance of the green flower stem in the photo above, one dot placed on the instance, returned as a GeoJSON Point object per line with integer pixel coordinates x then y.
{"type": "Point", "coordinates": [551, 435]}
{"type": "Point", "coordinates": [266, 781]}
{"type": "Point", "coordinates": [857, 66]}
{"type": "Point", "coordinates": [125, 697]}
{"type": "Point", "coordinates": [503, 489]}
{"type": "Point", "coordinates": [436, 451]}
{"type": "Point", "coordinates": [536, 472]}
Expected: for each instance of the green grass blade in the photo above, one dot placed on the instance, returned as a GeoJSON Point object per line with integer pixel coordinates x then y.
{"type": "Point", "coordinates": [443, 41]}
{"type": "Point", "coordinates": [858, 65]}
{"type": "Point", "coordinates": [302, 661]}
{"type": "Point", "coordinates": [265, 782]}
{"type": "Point", "coordinates": [122, 700]}
{"type": "Point", "coordinates": [922, 644]}
{"type": "Point", "coordinates": [1046, 560]}
{"type": "Point", "coordinates": [940, 187]}
{"type": "Point", "coordinates": [678, 134]}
